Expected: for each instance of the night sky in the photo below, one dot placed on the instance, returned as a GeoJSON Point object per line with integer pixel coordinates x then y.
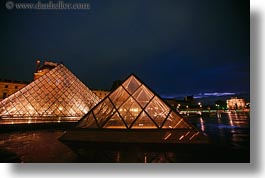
{"type": "Point", "coordinates": [175, 46]}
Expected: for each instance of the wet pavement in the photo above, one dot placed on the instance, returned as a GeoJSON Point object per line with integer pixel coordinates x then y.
{"type": "Point", "coordinates": [229, 133]}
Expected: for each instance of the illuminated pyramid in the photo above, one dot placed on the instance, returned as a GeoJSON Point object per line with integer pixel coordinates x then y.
{"type": "Point", "coordinates": [133, 113]}
{"type": "Point", "coordinates": [133, 106]}
{"type": "Point", "coordinates": [58, 93]}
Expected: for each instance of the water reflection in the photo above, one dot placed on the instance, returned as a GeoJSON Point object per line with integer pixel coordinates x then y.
{"type": "Point", "coordinates": [38, 146]}
{"type": "Point", "coordinates": [219, 115]}
{"type": "Point", "coordinates": [202, 124]}
{"type": "Point", "coordinates": [230, 130]}
{"type": "Point", "coordinates": [31, 120]}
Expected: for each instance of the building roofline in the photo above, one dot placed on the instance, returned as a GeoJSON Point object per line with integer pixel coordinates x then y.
{"type": "Point", "coordinates": [14, 81]}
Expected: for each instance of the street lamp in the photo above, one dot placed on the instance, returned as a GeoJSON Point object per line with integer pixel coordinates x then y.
{"type": "Point", "coordinates": [200, 104]}
{"type": "Point", "coordinates": [217, 106]}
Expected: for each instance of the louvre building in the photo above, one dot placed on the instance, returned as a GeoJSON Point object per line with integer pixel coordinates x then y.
{"type": "Point", "coordinates": [57, 93]}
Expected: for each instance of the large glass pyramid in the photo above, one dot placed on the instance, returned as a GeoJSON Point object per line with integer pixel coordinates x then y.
{"type": "Point", "coordinates": [57, 93]}
{"type": "Point", "coordinates": [133, 106]}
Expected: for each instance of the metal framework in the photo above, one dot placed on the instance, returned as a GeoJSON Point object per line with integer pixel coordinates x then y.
{"type": "Point", "coordinates": [133, 106]}
{"type": "Point", "coordinates": [57, 93]}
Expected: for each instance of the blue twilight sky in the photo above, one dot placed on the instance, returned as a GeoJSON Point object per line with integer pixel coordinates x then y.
{"type": "Point", "coordinates": [175, 46]}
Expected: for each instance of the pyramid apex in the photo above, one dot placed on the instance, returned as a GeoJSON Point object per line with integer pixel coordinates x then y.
{"type": "Point", "coordinates": [133, 75]}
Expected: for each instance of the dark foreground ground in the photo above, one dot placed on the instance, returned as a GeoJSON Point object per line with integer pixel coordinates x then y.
{"type": "Point", "coordinates": [229, 135]}
{"type": "Point", "coordinates": [155, 153]}
{"type": "Point", "coordinates": [43, 146]}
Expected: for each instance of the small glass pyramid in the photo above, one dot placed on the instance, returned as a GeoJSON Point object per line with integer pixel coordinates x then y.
{"type": "Point", "coordinates": [133, 106]}
{"type": "Point", "coordinates": [57, 93]}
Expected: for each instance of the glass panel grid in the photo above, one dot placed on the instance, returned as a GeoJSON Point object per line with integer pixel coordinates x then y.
{"type": "Point", "coordinates": [57, 92]}
{"type": "Point", "coordinates": [134, 105]}
{"type": "Point", "coordinates": [144, 122]}
{"type": "Point", "coordinates": [158, 110]}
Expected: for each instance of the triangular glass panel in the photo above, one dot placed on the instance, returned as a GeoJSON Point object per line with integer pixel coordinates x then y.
{"type": "Point", "coordinates": [88, 122]}
{"type": "Point", "coordinates": [51, 95]}
{"type": "Point", "coordinates": [129, 111]}
{"type": "Point", "coordinates": [119, 96]}
{"type": "Point", "coordinates": [2, 108]}
{"type": "Point", "coordinates": [144, 122]}
{"type": "Point", "coordinates": [143, 95]}
{"type": "Point", "coordinates": [158, 110]}
{"type": "Point", "coordinates": [115, 122]}
{"type": "Point", "coordinates": [103, 111]}
{"type": "Point", "coordinates": [175, 121]}
{"type": "Point", "coordinates": [131, 84]}
{"type": "Point", "coordinates": [56, 112]}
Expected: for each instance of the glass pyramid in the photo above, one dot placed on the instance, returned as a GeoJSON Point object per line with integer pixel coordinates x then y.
{"type": "Point", "coordinates": [57, 93]}
{"type": "Point", "coordinates": [133, 106]}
